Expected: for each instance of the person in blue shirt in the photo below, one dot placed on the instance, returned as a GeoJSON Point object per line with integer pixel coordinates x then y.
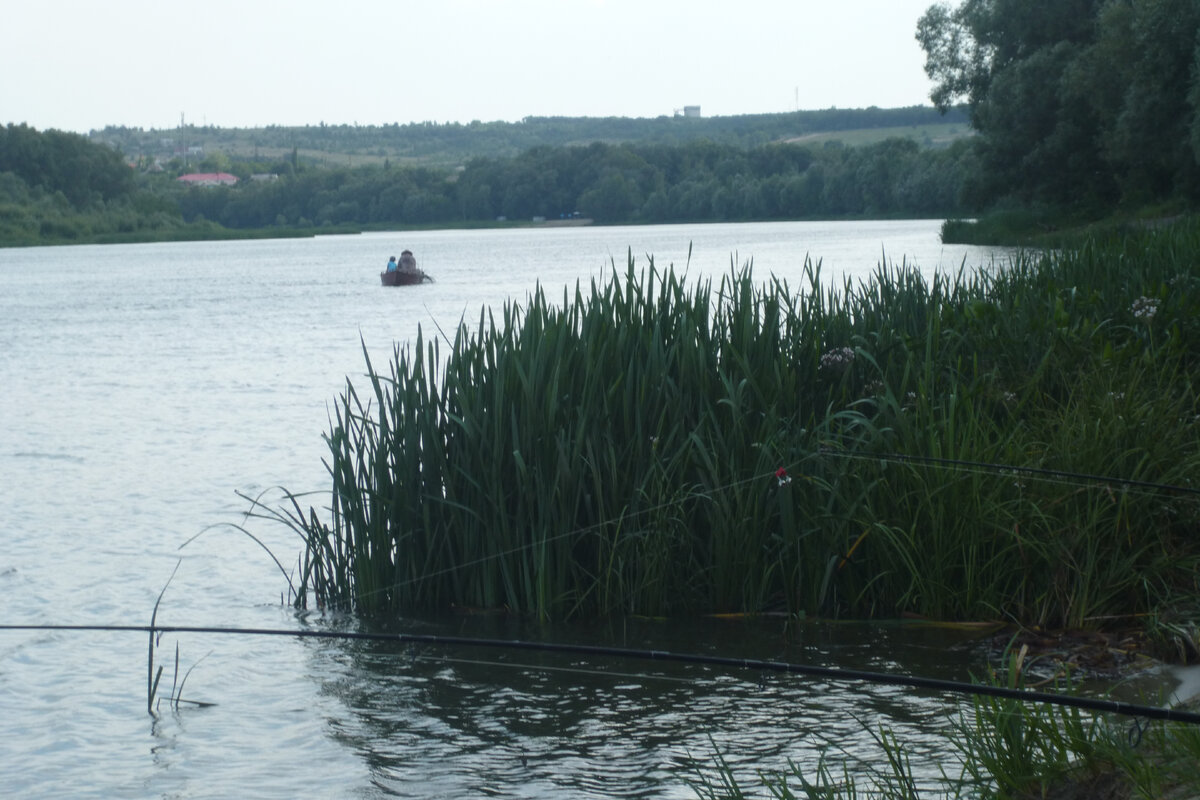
{"type": "Point", "coordinates": [391, 267]}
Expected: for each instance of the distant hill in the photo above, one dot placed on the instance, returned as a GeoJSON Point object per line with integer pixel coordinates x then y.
{"type": "Point", "coordinates": [453, 144]}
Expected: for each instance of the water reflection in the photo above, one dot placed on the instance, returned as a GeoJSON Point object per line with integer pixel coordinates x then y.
{"type": "Point", "coordinates": [469, 721]}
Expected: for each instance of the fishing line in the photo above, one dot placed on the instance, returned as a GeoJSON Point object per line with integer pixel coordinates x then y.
{"type": "Point", "coordinates": [587, 529]}
{"type": "Point", "coordinates": [835, 674]}
{"type": "Point", "coordinates": [1082, 480]}
{"type": "Point", "coordinates": [1066, 476]}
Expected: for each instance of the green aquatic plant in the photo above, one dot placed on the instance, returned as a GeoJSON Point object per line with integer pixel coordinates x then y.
{"type": "Point", "coordinates": [1016, 443]}
{"type": "Point", "coordinates": [616, 453]}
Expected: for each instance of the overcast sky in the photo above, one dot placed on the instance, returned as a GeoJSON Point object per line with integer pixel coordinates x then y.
{"type": "Point", "coordinates": [81, 64]}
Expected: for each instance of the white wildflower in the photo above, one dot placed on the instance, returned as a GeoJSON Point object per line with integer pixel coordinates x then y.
{"type": "Point", "coordinates": [837, 358]}
{"type": "Point", "coordinates": [1145, 308]}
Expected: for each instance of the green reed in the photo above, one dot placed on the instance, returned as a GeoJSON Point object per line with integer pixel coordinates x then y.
{"type": "Point", "coordinates": [998, 748]}
{"type": "Point", "coordinates": [616, 451]}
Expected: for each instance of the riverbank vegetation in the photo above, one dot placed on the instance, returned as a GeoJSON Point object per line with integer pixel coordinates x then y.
{"type": "Point", "coordinates": [1016, 444]}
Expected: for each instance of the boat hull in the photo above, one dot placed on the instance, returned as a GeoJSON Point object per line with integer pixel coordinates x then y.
{"type": "Point", "coordinates": [398, 278]}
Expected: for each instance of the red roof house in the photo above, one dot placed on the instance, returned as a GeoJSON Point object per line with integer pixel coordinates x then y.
{"type": "Point", "coordinates": [208, 179]}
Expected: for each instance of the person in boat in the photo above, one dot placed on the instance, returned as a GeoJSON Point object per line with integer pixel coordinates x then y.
{"type": "Point", "coordinates": [408, 262]}
{"type": "Point", "coordinates": [391, 267]}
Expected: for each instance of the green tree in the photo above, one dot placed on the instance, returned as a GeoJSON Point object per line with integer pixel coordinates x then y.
{"type": "Point", "coordinates": [1150, 136]}
{"type": "Point", "coordinates": [1077, 102]}
{"type": "Point", "coordinates": [612, 200]}
{"type": "Point", "coordinates": [54, 161]}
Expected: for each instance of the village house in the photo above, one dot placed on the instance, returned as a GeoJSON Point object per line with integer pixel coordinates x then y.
{"type": "Point", "coordinates": [208, 179]}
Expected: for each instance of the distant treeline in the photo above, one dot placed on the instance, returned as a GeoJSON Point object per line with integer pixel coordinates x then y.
{"type": "Point", "coordinates": [62, 187]}
{"type": "Point", "coordinates": [695, 182]}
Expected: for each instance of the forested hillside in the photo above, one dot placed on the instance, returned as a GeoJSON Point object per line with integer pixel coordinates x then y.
{"type": "Point", "coordinates": [750, 168]}
{"type": "Point", "coordinates": [453, 144]}
{"type": "Point", "coordinates": [700, 181]}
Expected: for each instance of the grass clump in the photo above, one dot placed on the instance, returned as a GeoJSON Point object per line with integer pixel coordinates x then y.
{"type": "Point", "coordinates": [1000, 748]}
{"type": "Point", "coordinates": [940, 438]}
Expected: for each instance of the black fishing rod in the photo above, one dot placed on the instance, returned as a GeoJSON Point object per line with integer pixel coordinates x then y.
{"type": "Point", "coordinates": [759, 665]}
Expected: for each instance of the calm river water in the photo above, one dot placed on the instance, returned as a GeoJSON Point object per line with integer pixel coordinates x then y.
{"type": "Point", "coordinates": [144, 386]}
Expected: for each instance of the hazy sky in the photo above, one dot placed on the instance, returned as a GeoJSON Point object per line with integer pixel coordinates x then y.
{"type": "Point", "coordinates": [83, 64]}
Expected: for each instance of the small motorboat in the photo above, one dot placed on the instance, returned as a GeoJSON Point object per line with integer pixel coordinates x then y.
{"type": "Point", "coordinates": [403, 277]}
{"type": "Point", "coordinates": [405, 273]}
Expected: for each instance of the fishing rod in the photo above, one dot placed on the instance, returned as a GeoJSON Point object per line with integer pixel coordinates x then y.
{"type": "Point", "coordinates": [831, 673]}
{"type": "Point", "coordinates": [760, 665]}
